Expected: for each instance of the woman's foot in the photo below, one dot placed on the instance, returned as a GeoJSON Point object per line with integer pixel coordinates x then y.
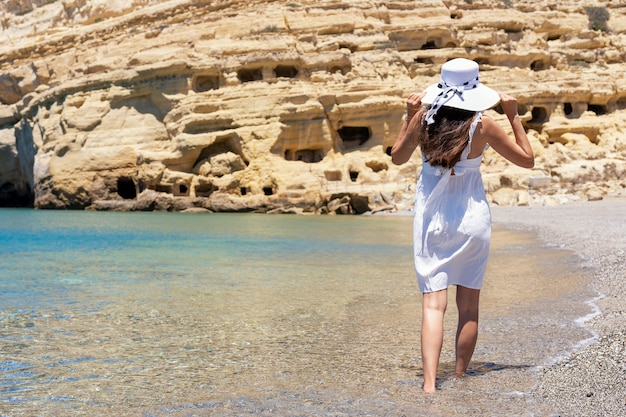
{"type": "Point", "coordinates": [429, 391]}
{"type": "Point", "coordinates": [430, 388]}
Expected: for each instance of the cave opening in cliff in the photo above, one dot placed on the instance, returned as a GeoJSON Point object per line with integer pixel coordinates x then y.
{"type": "Point", "coordinates": [354, 175]}
{"type": "Point", "coordinates": [204, 83]}
{"type": "Point", "coordinates": [539, 115]}
{"type": "Point", "coordinates": [224, 145]}
{"type": "Point", "coordinates": [340, 70]}
{"type": "Point", "coordinates": [286, 71]}
{"type": "Point", "coordinates": [598, 109]}
{"type": "Point", "coordinates": [354, 136]}
{"type": "Point", "coordinates": [243, 190]}
{"type": "Point", "coordinates": [304, 155]}
{"type": "Point", "coordinates": [247, 75]}
{"type": "Point", "coordinates": [456, 15]}
{"type": "Point", "coordinates": [204, 190]}
{"type": "Point", "coordinates": [12, 195]}
{"type": "Point", "coordinates": [126, 188]}
{"type": "Point", "coordinates": [521, 109]}
{"type": "Point", "coordinates": [430, 44]}
{"type": "Point", "coordinates": [268, 190]}
{"type": "Point", "coordinates": [568, 109]}
{"type": "Point", "coordinates": [538, 65]}
{"type": "Point", "coordinates": [181, 190]}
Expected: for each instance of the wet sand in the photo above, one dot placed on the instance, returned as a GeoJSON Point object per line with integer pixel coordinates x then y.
{"type": "Point", "coordinates": [591, 381]}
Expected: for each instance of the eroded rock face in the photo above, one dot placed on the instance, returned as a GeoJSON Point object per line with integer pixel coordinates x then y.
{"type": "Point", "coordinates": [291, 107]}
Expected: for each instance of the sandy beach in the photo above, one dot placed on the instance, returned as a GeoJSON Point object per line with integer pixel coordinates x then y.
{"type": "Point", "coordinates": [592, 380]}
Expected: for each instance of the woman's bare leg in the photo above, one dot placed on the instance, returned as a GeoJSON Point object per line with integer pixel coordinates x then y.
{"type": "Point", "coordinates": [433, 309]}
{"type": "Point", "coordinates": [467, 331]}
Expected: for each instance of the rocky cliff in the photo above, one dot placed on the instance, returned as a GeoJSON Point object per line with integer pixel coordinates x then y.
{"type": "Point", "coordinates": [292, 106]}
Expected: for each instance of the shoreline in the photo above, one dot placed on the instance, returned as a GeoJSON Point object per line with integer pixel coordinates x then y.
{"type": "Point", "coordinates": [590, 380]}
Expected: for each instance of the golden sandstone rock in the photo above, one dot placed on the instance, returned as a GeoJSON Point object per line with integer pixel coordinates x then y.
{"type": "Point", "coordinates": [292, 106]}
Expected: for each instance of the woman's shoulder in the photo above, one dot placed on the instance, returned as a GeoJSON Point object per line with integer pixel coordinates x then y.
{"type": "Point", "coordinates": [488, 128]}
{"type": "Point", "coordinates": [485, 132]}
{"type": "Point", "coordinates": [486, 119]}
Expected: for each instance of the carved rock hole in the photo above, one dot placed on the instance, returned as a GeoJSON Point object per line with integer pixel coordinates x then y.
{"type": "Point", "coordinates": [539, 115]}
{"type": "Point", "coordinates": [538, 65]}
{"type": "Point", "coordinates": [204, 190]}
{"type": "Point", "coordinates": [521, 109]}
{"type": "Point", "coordinates": [126, 188]}
{"type": "Point", "coordinates": [568, 108]}
{"type": "Point", "coordinates": [430, 44]}
{"type": "Point", "coordinates": [247, 75]}
{"type": "Point", "coordinates": [14, 195]}
{"type": "Point", "coordinates": [286, 71]}
{"type": "Point", "coordinates": [304, 155]}
{"type": "Point", "coordinates": [353, 136]}
{"type": "Point", "coordinates": [181, 189]}
{"type": "Point", "coordinates": [206, 82]}
{"type": "Point", "coordinates": [598, 109]}
{"type": "Point", "coordinates": [227, 144]}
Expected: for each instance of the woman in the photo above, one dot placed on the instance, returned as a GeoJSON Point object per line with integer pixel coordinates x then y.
{"type": "Point", "coordinates": [452, 224]}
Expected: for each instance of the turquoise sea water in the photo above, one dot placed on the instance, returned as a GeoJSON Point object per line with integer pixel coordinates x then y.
{"type": "Point", "coordinates": [159, 314]}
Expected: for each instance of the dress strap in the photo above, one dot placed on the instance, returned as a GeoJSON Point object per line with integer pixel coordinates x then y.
{"type": "Point", "coordinates": [467, 149]}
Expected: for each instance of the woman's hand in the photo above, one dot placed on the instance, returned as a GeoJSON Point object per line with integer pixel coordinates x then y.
{"type": "Point", "coordinates": [413, 104]}
{"type": "Point", "coordinates": [509, 105]}
{"type": "Point", "coordinates": [519, 151]}
{"type": "Point", "coordinates": [405, 145]}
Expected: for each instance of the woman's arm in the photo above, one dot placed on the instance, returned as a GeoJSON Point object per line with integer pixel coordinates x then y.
{"type": "Point", "coordinates": [405, 143]}
{"type": "Point", "coordinates": [519, 151]}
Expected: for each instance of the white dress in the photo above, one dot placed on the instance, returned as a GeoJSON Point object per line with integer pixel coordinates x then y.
{"type": "Point", "coordinates": [452, 224]}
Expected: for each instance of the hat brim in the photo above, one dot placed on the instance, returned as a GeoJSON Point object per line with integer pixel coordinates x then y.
{"type": "Point", "coordinates": [477, 99]}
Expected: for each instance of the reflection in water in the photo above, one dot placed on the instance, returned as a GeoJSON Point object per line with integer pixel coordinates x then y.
{"type": "Point", "coordinates": [227, 315]}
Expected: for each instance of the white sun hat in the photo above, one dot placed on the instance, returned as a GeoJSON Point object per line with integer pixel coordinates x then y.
{"type": "Point", "coordinates": [460, 88]}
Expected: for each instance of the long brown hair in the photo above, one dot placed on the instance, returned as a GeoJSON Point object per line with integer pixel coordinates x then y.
{"type": "Point", "coordinates": [442, 142]}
